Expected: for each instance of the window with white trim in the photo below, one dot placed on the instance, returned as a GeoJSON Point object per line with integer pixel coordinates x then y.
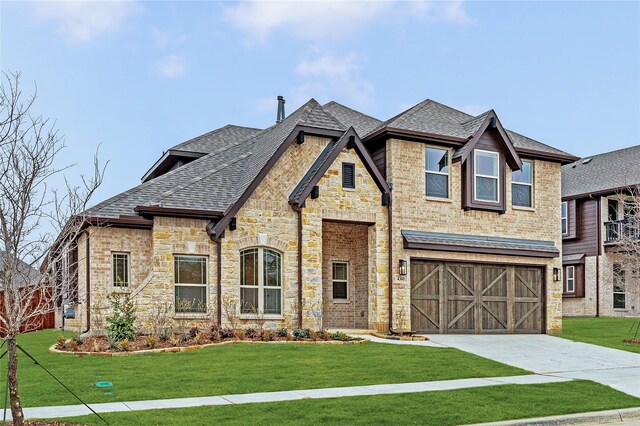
{"type": "Point", "coordinates": [190, 282]}
{"type": "Point", "coordinates": [120, 270]}
{"type": "Point", "coordinates": [570, 277]}
{"type": "Point", "coordinates": [563, 218]}
{"type": "Point", "coordinates": [522, 185]}
{"type": "Point", "coordinates": [486, 176]}
{"type": "Point", "coordinates": [340, 280]}
{"type": "Point", "coordinates": [260, 282]}
{"type": "Point", "coordinates": [437, 172]}
{"type": "Point", "coordinates": [619, 287]}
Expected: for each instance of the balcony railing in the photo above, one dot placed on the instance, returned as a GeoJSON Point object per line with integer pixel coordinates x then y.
{"type": "Point", "coordinates": [621, 230]}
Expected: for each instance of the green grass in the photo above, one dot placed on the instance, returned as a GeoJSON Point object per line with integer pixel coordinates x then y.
{"type": "Point", "coordinates": [463, 406]}
{"type": "Point", "coordinates": [602, 331]}
{"type": "Point", "coordinates": [232, 369]}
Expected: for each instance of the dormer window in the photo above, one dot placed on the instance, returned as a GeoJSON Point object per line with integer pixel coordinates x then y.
{"type": "Point", "coordinates": [486, 176]}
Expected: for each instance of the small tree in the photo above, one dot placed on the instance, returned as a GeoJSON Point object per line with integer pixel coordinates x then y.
{"type": "Point", "coordinates": [628, 232]}
{"type": "Point", "coordinates": [29, 145]}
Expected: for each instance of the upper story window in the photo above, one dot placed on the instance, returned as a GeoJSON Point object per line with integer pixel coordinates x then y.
{"type": "Point", "coordinates": [348, 175]}
{"type": "Point", "coordinates": [564, 215]}
{"type": "Point", "coordinates": [522, 185]}
{"type": "Point", "coordinates": [486, 176]}
{"type": "Point", "coordinates": [120, 270]}
{"type": "Point", "coordinates": [612, 210]}
{"type": "Point", "coordinates": [437, 172]}
{"type": "Point", "coordinates": [260, 282]}
{"type": "Point", "coordinates": [190, 279]}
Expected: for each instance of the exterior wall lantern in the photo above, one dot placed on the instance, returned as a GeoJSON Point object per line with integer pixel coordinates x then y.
{"type": "Point", "coordinates": [403, 267]}
{"type": "Point", "coordinates": [556, 274]}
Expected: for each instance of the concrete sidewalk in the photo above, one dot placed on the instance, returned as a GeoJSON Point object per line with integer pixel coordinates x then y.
{"type": "Point", "coordinates": [112, 407]}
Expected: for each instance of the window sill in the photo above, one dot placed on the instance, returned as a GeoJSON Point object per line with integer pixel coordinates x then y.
{"type": "Point", "coordinates": [121, 290]}
{"type": "Point", "coordinates": [348, 189]}
{"type": "Point", "coordinates": [438, 199]}
{"type": "Point", "coordinates": [341, 301]}
{"type": "Point", "coordinates": [524, 209]}
{"type": "Point", "coordinates": [620, 310]}
{"type": "Point", "coordinates": [261, 317]}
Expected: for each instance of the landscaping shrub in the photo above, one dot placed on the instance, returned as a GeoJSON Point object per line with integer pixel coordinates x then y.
{"type": "Point", "coordinates": [164, 335]}
{"type": "Point", "coordinates": [266, 335]}
{"type": "Point", "coordinates": [215, 336]}
{"type": "Point", "coordinates": [120, 324]}
{"type": "Point", "coordinates": [252, 333]}
{"type": "Point", "coordinates": [151, 341]}
{"type": "Point", "coordinates": [73, 344]}
{"type": "Point", "coordinates": [193, 331]}
{"type": "Point", "coordinates": [215, 327]}
{"type": "Point", "coordinates": [283, 332]}
{"type": "Point", "coordinates": [125, 345]}
{"type": "Point", "coordinates": [326, 335]}
{"type": "Point", "coordinates": [174, 341]}
{"type": "Point", "coordinates": [339, 335]}
{"type": "Point", "coordinates": [78, 339]}
{"type": "Point", "coordinates": [240, 334]}
{"type": "Point", "coordinates": [300, 334]}
{"type": "Point", "coordinates": [95, 346]}
{"type": "Point", "coordinates": [313, 335]}
{"type": "Point", "coordinates": [61, 342]}
{"type": "Point", "coordinates": [199, 338]}
{"type": "Point", "coordinates": [227, 333]}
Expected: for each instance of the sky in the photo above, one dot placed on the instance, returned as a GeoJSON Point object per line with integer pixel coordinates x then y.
{"type": "Point", "coordinates": [135, 78]}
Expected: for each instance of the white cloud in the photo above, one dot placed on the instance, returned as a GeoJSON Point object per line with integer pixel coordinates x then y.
{"type": "Point", "coordinates": [321, 20]}
{"type": "Point", "coordinates": [329, 76]}
{"type": "Point", "coordinates": [83, 21]}
{"type": "Point", "coordinates": [164, 39]}
{"type": "Point", "coordinates": [170, 67]}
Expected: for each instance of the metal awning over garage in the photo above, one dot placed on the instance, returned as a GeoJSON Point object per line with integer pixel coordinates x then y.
{"type": "Point", "coordinates": [479, 244]}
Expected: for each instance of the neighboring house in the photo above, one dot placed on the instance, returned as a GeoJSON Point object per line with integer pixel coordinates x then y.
{"type": "Point", "coordinates": [598, 280]}
{"type": "Point", "coordinates": [26, 276]}
{"type": "Point", "coordinates": [306, 223]}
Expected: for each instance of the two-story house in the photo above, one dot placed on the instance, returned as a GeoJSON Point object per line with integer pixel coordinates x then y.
{"type": "Point", "coordinates": [599, 198]}
{"type": "Point", "coordinates": [434, 220]}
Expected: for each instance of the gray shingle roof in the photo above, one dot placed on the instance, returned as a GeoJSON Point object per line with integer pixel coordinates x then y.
{"type": "Point", "coordinates": [478, 241]}
{"type": "Point", "coordinates": [218, 139]}
{"type": "Point", "coordinates": [362, 123]}
{"type": "Point", "coordinates": [324, 156]}
{"type": "Point", "coordinates": [435, 118]}
{"type": "Point", "coordinates": [607, 171]}
{"type": "Point", "coordinates": [216, 180]}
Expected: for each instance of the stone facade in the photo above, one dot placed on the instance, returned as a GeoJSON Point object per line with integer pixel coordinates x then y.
{"type": "Point", "coordinates": [342, 223]}
{"type": "Point", "coordinates": [412, 210]}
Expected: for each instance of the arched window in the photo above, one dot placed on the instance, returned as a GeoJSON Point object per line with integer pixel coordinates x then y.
{"type": "Point", "coordinates": [260, 282]}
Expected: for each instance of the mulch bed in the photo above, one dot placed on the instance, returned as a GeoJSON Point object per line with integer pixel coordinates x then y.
{"type": "Point", "coordinates": [177, 342]}
{"type": "Point", "coordinates": [636, 341]}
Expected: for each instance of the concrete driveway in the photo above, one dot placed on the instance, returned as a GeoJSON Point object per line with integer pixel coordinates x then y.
{"type": "Point", "coordinates": [554, 356]}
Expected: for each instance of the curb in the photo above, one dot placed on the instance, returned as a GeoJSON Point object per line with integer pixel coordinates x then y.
{"type": "Point", "coordinates": [608, 416]}
{"type": "Point", "coordinates": [175, 349]}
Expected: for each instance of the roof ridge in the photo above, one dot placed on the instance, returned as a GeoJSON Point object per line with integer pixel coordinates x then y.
{"type": "Point", "coordinates": [451, 108]}
{"type": "Point", "coordinates": [351, 109]}
{"type": "Point", "coordinates": [478, 116]}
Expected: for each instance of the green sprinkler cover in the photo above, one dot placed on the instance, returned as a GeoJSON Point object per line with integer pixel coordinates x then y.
{"type": "Point", "coordinates": [103, 384]}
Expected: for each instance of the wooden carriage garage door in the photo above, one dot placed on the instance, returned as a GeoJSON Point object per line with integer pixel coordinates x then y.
{"type": "Point", "coordinates": [449, 297]}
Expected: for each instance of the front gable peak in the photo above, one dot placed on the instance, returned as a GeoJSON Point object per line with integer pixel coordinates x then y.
{"type": "Point", "coordinates": [477, 127]}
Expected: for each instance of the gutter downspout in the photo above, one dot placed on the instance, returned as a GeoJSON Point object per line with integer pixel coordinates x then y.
{"type": "Point", "coordinates": [88, 282]}
{"type": "Point", "coordinates": [299, 210]}
{"type": "Point", "coordinates": [390, 273]}
{"type": "Point", "coordinates": [599, 219]}
{"type": "Point", "coordinates": [219, 282]}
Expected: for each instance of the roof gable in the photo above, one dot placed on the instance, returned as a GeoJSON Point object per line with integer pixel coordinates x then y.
{"type": "Point", "coordinates": [326, 159]}
{"type": "Point", "coordinates": [480, 124]}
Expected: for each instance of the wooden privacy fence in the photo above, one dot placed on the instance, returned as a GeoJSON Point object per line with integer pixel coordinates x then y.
{"type": "Point", "coordinates": [38, 322]}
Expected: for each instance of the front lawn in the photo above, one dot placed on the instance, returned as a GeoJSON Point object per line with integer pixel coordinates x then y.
{"type": "Point", "coordinates": [602, 331]}
{"type": "Point", "coordinates": [237, 368]}
{"type": "Point", "coordinates": [463, 406]}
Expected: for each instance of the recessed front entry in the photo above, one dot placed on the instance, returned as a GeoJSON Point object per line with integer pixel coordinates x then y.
{"type": "Point", "coordinates": [448, 297]}
{"type": "Point", "coordinates": [345, 271]}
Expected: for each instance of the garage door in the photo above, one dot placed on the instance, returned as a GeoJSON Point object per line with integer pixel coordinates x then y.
{"type": "Point", "coordinates": [448, 297]}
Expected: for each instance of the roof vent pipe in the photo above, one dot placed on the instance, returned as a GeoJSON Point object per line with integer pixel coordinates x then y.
{"type": "Point", "coordinates": [280, 109]}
